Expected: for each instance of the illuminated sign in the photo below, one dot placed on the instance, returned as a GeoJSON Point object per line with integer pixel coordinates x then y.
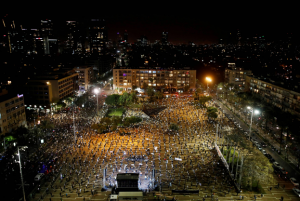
{"type": "Point", "coordinates": [20, 95]}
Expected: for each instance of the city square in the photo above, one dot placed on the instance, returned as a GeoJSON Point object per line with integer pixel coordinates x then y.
{"type": "Point", "coordinates": [182, 161]}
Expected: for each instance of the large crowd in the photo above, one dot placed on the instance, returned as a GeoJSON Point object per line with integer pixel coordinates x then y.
{"type": "Point", "coordinates": [175, 159]}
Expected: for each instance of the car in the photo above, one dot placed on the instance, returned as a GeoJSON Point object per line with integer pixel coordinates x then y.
{"type": "Point", "coordinates": [294, 181]}
{"type": "Point", "coordinates": [268, 156]}
{"type": "Point", "coordinates": [276, 164]}
{"type": "Point", "coordinates": [39, 176]}
{"type": "Point", "coordinates": [264, 152]}
{"type": "Point", "coordinates": [296, 191]}
{"type": "Point", "coordinates": [263, 144]}
{"type": "Point", "coordinates": [282, 171]}
{"type": "Point", "coordinates": [271, 160]}
{"type": "Point", "coordinates": [259, 148]}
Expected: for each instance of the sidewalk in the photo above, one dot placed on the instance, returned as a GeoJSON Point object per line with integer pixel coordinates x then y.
{"type": "Point", "coordinates": [262, 134]}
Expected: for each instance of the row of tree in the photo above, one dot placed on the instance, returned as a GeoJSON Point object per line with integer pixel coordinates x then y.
{"type": "Point", "coordinates": [269, 114]}
{"type": "Point", "coordinates": [124, 99]}
{"type": "Point", "coordinates": [112, 124]}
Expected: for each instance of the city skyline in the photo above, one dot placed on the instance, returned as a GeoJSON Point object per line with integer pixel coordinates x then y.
{"type": "Point", "coordinates": [200, 27]}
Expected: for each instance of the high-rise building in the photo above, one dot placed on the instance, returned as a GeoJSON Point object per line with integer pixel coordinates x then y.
{"type": "Point", "coordinates": [236, 75]}
{"type": "Point", "coordinates": [164, 38]}
{"type": "Point", "coordinates": [98, 37]}
{"type": "Point", "coordinates": [85, 76]}
{"type": "Point", "coordinates": [126, 36]}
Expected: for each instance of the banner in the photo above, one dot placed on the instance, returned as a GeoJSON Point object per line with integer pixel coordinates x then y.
{"type": "Point", "coordinates": [221, 156]}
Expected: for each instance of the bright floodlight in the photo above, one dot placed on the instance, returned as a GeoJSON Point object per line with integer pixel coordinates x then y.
{"type": "Point", "coordinates": [208, 79]}
{"type": "Point", "coordinates": [256, 111]}
{"type": "Point", "coordinates": [220, 88]}
{"type": "Point", "coordinates": [248, 107]}
{"type": "Point", "coordinates": [96, 91]}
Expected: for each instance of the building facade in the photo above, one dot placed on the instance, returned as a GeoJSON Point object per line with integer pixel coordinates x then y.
{"type": "Point", "coordinates": [236, 75]}
{"type": "Point", "coordinates": [178, 79]}
{"type": "Point", "coordinates": [42, 91]}
{"type": "Point", "coordinates": [12, 111]}
{"type": "Point", "coordinates": [85, 76]}
{"type": "Point", "coordinates": [274, 93]}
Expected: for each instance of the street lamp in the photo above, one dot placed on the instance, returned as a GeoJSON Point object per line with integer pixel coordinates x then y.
{"type": "Point", "coordinates": [256, 112]}
{"type": "Point", "coordinates": [208, 80]}
{"type": "Point", "coordinates": [24, 147]}
{"type": "Point", "coordinates": [97, 92]}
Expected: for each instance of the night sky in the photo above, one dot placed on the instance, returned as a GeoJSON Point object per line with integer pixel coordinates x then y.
{"type": "Point", "coordinates": [201, 24]}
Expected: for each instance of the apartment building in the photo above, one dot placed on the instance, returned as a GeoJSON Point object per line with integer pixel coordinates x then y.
{"type": "Point", "coordinates": [236, 75]}
{"type": "Point", "coordinates": [177, 79]}
{"type": "Point", "coordinates": [44, 90]}
{"type": "Point", "coordinates": [277, 93]}
{"type": "Point", "coordinates": [85, 76]}
{"type": "Point", "coordinates": [12, 111]}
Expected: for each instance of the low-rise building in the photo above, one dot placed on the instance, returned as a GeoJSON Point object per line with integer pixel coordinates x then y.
{"type": "Point", "coordinates": [85, 76]}
{"type": "Point", "coordinates": [12, 111]}
{"type": "Point", "coordinates": [42, 91]}
{"type": "Point", "coordinates": [177, 79]}
{"type": "Point", "coordinates": [236, 75]}
{"type": "Point", "coordinates": [277, 93]}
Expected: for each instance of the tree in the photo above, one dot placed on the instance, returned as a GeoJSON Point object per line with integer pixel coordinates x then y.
{"type": "Point", "coordinates": [112, 99]}
{"type": "Point", "coordinates": [99, 127]}
{"type": "Point", "coordinates": [220, 85]}
{"type": "Point", "coordinates": [150, 91]}
{"type": "Point", "coordinates": [20, 134]}
{"type": "Point", "coordinates": [116, 120]}
{"type": "Point", "coordinates": [61, 104]}
{"type": "Point", "coordinates": [283, 121]}
{"type": "Point", "coordinates": [204, 99]}
{"type": "Point", "coordinates": [158, 95]}
{"type": "Point", "coordinates": [186, 88]}
{"type": "Point", "coordinates": [133, 97]}
{"type": "Point", "coordinates": [37, 133]}
{"type": "Point", "coordinates": [173, 127]}
{"type": "Point", "coordinates": [124, 99]}
{"type": "Point", "coordinates": [134, 87]}
{"type": "Point", "coordinates": [106, 121]}
{"type": "Point", "coordinates": [145, 85]}
{"type": "Point", "coordinates": [46, 124]}
{"type": "Point", "coordinates": [197, 93]}
{"type": "Point", "coordinates": [256, 168]}
{"type": "Point", "coordinates": [81, 100]}
{"type": "Point", "coordinates": [212, 112]}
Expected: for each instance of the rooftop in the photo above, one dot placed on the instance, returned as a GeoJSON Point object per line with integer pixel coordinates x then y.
{"type": "Point", "coordinates": [289, 85]}
{"type": "Point", "coordinates": [158, 68]}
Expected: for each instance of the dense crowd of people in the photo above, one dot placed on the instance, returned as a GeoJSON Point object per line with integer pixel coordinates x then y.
{"type": "Point", "coordinates": [177, 159]}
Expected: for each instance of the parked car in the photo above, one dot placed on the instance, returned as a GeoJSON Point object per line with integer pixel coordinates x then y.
{"type": "Point", "coordinates": [296, 191]}
{"type": "Point", "coordinates": [263, 144]}
{"type": "Point", "coordinates": [276, 164]}
{"type": "Point", "coordinates": [264, 152]}
{"type": "Point", "coordinates": [39, 176]}
{"type": "Point", "coordinates": [271, 160]}
{"type": "Point", "coordinates": [294, 181]}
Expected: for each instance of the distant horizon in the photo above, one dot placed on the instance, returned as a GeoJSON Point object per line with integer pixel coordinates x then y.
{"type": "Point", "coordinates": [181, 28]}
